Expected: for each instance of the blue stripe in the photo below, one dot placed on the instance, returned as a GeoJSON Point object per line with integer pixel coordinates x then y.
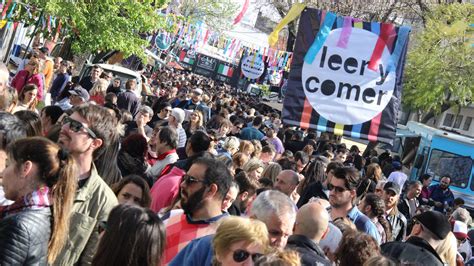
{"type": "Point", "coordinates": [401, 40]}
{"type": "Point", "coordinates": [320, 38]}
{"type": "Point", "coordinates": [375, 27]}
{"type": "Point", "coordinates": [355, 133]}
{"type": "Point", "coordinates": [340, 22]}
{"type": "Point", "coordinates": [322, 123]}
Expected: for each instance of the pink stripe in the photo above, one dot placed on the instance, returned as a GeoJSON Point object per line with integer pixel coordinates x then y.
{"type": "Point", "coordinates": [345, 33]}
{"type": "Point", "coordinates": [374, 127]}
{"type": "Point", "coordinates": [323, 15]}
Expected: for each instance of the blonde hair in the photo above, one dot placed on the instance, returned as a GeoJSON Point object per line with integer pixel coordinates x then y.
{"type": "Point", "coordinates": [286, 257]}
{"type": "Point", "coordinates": [271, 171]}
{"type": "Point", "coordinates": [447, 249]}
{"type": "Point", "coordinates": [201, 119]}
{"type": "Point", "coordinates": [251, 165]}
{"type": "Point", "coordinates": [257, 145]}
{"type": "Point", "coordinates": [235, 229]}
{"type": "Point", "coordinates": [231, 143]}
{"type": "Point", "coordinates": [99, 88]}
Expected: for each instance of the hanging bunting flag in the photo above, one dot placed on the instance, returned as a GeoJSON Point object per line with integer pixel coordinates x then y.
{"type": "Point", "coordinates": [242, 12]}
{"type": "Point", "coordinates": [5, 9]}
{"type": "Point", "coordinates": [294, 12]}
{"type": "Point", "coordinates": [346, 79]}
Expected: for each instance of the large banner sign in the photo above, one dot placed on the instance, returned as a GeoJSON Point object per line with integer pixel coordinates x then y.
{"type": "Point", "coordinates": [346, 76]}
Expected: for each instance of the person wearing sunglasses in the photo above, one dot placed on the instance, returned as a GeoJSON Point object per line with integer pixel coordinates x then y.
{"type": "Point", "coordinates": [86, 134]}
{"type": "Point", "coordinates": [203, 188]}
{"type": "Point", "coordinates": [342, 195]}
{"type": "Point", "coordinates": [238, 241]}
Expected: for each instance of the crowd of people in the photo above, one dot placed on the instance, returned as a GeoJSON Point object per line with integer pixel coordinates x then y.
{"type": "Point", "coordinates": [190, 172]}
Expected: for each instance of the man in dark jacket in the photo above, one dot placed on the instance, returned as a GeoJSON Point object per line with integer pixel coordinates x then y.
{"type": "Point", "coordinates": [128, 100]}
{"type": "Point", "coordinates": [310, 227]}
{"type": "Point", "coordinates": [409, 204]}
{"type": "Point", "coordinates": [398, 222]}
{"type": "Point", "coordinates": [429, 231]}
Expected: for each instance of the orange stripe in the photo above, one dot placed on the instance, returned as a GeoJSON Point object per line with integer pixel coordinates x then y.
{"type": "Point", "coordinates": [306, 115]}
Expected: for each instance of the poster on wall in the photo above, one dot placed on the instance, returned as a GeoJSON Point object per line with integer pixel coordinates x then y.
{"type": "Point", "coordinates": [346, 76]}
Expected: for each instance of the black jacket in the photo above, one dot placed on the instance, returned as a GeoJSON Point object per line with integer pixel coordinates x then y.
{"type": "Point", "coordinates": [398, 223]}
{"type": "Point", "coordinates": [311, 253]}
{"type": "Point", "coordinates": [24, 237]}
{"type": "Point", "coordinates": [404, 207]}
{"type": "Point", "coordinates": [314, 189]}
{"type": "Point", "coordinates": [415, 251]}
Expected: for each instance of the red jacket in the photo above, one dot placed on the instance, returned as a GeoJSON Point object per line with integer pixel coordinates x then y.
{"type": "Point", "coordinates": [21, 79]}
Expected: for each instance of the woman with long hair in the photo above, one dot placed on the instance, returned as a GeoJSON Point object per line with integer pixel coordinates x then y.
{"type": "Point", "coordinates": [30, 75]}
{"type": "Point", "coordinates": [132, 236]}
{"type": "Point", "coordinates": [372, 177]}
{"type": "Point", "coordinates": [196, 122]}
{"type": "Point", "coordinates": [133, 189]}
{"type": "Point", "coordinates": [373, 207]}
{"type": "Point", "coordinates": [27, 99]}
{"type": "Point", "coordinates": [41, 179]}
{"type": "Point", "coordinates": [314, 172]}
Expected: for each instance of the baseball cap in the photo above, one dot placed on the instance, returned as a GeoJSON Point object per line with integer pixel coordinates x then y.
{"type": "Point", "coordinates": [436, 222]}
{"type": "Point", "coordinates": [81, 92]}
{"type": "Point", "coordinates": [392, 186]}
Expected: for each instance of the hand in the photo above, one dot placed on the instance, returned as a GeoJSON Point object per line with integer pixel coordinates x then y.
{"type": "Point", "coordinates": [438, 204]}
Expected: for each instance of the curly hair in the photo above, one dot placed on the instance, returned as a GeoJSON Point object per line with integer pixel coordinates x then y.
{"type": "Point", "coordinates": [356, 248]}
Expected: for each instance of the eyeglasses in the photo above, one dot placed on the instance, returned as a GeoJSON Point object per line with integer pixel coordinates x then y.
{"type": "Point", "coordinates": [76, 126]}
{"type": "Point", "coordinates": [241, 255]}
{"type": "Point", "coordinates": [191, 179]}
{"type": "Point", "coordinates": [336, 188]}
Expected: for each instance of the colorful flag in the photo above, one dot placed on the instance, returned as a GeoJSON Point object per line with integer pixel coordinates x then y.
{"type": "Point", "coordinates": [225, 70]}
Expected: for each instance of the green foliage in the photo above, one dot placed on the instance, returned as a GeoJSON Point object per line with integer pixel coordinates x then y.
{"type": "Point", "coordinates": [440, 67]}
{"type": "Point", "coordinates": [99, 25]}
{"type": "Point", "coordinates": [217, 14]}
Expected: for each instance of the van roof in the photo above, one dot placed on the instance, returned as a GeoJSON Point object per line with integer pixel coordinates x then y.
{"type": "Point", "coordinates": [117, 68]}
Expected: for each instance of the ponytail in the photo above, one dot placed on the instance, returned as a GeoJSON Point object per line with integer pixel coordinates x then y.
{"type": "Point", "coordinates": [63, 193]}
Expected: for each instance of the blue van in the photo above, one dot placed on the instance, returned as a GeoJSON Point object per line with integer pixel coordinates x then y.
{"type": "Point", "coordinates": [437, 152]}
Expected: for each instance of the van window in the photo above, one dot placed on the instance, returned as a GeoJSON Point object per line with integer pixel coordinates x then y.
{"type": "Point", "coordinates": [446, 163]}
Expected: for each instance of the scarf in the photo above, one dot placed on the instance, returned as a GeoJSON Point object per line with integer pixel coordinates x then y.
{"type": "Point", "coordinates": [38, 199]}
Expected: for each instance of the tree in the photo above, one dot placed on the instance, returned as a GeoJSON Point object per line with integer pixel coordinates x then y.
{"type": "Point", "coordinates": [217, 14]}
{"type": "Point", "coordinates": [106, 24]}
{"type": "Point", "coordinates": [439, 70]}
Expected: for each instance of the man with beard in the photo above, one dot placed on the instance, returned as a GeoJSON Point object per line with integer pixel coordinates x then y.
{"type": "Point", "coordinates": [441, 195]}
{"type": "Point", "coordinates": [85, 134]}
{"type": "Point", "coordinates": [342, 193]}
{"type": "Point", "coordinates": [398, 222]}
{"type": "Point", "coordinates": [203, 189]}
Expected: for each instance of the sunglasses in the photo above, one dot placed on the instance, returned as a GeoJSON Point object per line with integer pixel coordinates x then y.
{"type": "Point", "coordinates": [241, 255]}
{"type": "Point", "coordinates": [76, 126]}
{"type": "Point", "coordinates": [336, 188]}
{"type": "Point", "coordinates": [191, 179]}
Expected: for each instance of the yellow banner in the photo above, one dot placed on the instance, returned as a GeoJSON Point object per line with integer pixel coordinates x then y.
{"type": "Point", "coordinates": [294, 12]}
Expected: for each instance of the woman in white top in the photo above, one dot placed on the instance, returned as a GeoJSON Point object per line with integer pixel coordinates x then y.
{"type": "Point", "coordinates": [27, 99]}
